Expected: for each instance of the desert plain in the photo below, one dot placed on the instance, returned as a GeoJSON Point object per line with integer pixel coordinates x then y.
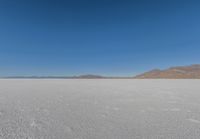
{"type": "Point", "coordinates": [99, 109]}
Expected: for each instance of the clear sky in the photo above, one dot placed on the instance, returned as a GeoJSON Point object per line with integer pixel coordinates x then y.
{"type": "Point", "coordinates": [108, 37]}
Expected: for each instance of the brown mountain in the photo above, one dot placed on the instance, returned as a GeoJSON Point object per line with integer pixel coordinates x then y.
{"type": "Point", "coordinates": [181, 72]}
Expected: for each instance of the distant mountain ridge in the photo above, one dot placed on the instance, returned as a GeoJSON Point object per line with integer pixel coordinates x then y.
{"type": "Point", "coordinates": [179, 72]}
{"type": "Point", "coordinates": [87, 76]}
{"type": "Point", "coordinates": [90, 76]}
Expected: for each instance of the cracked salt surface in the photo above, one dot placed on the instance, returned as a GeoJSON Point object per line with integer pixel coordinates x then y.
{"type": "Point", "coordinates": [98, 109]}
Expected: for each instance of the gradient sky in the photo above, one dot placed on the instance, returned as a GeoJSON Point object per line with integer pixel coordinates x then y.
{"type": "Point", "coordinates": [108, 37]}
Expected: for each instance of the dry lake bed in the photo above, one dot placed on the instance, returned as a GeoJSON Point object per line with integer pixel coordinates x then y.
{"type": "Point", "coordinates": [99, 109]}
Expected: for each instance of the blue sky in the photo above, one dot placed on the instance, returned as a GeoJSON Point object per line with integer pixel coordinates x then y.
{"type": "Point", "coordinates": [108, 37]}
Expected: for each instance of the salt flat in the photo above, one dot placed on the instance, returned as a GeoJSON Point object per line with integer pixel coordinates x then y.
{"type": "Point", "coordinates": [99, 109]}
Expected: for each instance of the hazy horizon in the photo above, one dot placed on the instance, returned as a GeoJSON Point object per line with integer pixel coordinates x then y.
{"type": "Point", "coordinates": [109, 38]}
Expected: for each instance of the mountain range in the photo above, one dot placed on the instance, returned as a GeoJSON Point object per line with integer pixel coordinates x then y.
{"type": "Point", "coordinates": [180, 72]}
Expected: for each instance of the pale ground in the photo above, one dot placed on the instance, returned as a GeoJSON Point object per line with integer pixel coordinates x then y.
{"type": "Point", "coordinates": [99, 109]}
